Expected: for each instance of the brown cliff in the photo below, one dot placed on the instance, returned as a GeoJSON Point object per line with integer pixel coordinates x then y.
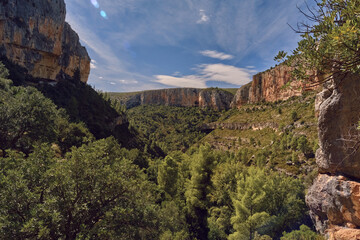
{"type": "Point", "coordinates": [184, 97]}
{"type": "Point", "coordinates": [272, 85]}
{"type": "Point", "coordinates": [34, 35]}
{"type": "Point", "coordinates": [334, 198]}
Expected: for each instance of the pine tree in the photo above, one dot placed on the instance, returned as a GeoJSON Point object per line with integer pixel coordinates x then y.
{"type": "Point", "coordinates": [197, 192]}
{"type": "Point", "coordinates": [249, 203]}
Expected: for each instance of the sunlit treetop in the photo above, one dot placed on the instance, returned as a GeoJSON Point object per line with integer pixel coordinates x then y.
{"type": "Point", "coordinates": [330, 39]}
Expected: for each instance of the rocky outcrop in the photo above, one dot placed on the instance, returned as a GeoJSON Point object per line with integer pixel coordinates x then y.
{"type": "Point", "coordinates": [334, 199]}
{"type": "Point", "coordinates": [272, 85]}
{"type": "Point", "coordinates": [239, 126]}
{"type": "Point", "coordinates": [184, 97]}
{"type": "Point", "coordinates": [34, 35]}
{"type": "Point", "coordinates": [269, 86]}
{"type": "Point", "coordinates": [242, 96]}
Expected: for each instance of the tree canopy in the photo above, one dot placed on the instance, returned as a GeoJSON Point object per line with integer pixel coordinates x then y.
{"type": "Point", "coordinates": [330, 41]}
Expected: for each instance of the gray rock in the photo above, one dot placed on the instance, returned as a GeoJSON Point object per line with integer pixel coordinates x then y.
{"type": "Point", "coordinates": [333, 200]}
{"type": "Point", "coordinates": [339, 114]}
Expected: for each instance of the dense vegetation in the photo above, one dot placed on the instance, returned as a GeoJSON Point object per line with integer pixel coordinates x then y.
{"type": "Point", "coordinates": [58, 182]}
{"type": "Point", "coordinates": [281, 135]}
{"type": "Point", "coordinates": [172, 128]}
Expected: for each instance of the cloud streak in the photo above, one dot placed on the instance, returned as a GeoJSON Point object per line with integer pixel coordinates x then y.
{"type": "Point", "coordinates": [208, 72]}
{"type": "Point", "coordinates": [217, 55]}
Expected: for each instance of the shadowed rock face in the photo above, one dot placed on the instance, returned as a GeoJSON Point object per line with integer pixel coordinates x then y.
{"type": "Point", "coordinates": [34, 35]}
{"type": "Point", "coordinates": [183, 97]}
{"type": "Point", "coordinates": [339, 115]}
{"type": "Point", "coordinates": [334, 198]}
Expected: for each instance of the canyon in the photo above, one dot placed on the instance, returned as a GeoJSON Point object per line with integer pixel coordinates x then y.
{"type": "Point", "coordinates": [34, 35]}
{"type": "Point", "coordinates": [272, 85]}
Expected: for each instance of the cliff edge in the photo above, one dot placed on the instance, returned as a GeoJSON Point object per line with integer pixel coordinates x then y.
{"type": "Point", "coordinates": [34, 35]}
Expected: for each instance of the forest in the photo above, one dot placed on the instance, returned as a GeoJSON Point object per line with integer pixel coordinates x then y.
{"type": "Point", "coordinates": [67, 175]}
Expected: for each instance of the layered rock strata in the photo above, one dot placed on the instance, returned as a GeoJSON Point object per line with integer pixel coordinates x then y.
{"type": "Point", "coordinates": [185, 97]}
{"type": "Point", "coordinates": [334, 198]}
{"type": "Point", "coordinates": [34, 35]}
{"type": "Point", "coordinates": [239, 126]}
{"type": "Point", "coordinates": [272, 85]}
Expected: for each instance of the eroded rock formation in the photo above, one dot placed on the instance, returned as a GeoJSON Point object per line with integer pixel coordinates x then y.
{"type": "Point", "coordinates": [334, 199]}
{"type": "Point", "coordinates": [34, 35]}
{"type": "Point", "coordinates": [270, 86]}
{"type": "Point", "coordinates": [185, 97]}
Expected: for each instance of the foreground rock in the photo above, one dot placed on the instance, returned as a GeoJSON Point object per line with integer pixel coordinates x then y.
{"type": "Point", "coordinates": [339, 114]}
{"type": "Point", "coordinates": [334, 198]}
{"type": "Point", "coordinates": [183, 97]}
{"type": "Point", "coordinates": [34, 35]}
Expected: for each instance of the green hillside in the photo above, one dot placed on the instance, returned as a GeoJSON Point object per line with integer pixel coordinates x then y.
{"type": "Point", "coordinates": [67, 172]}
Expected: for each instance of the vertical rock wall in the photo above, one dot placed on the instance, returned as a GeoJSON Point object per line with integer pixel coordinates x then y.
{"type": "Point", "coordinates": [274, 84]}
{"type": "Point", "coordinates": [184, 97]}
{"type": "Point", "coordinates": [34, 35]}
{"type": "Point", "coordinates": [334, 198]}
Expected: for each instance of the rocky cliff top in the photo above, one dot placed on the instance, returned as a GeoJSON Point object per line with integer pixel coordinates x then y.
{"type": "Point", "coordinates": [34, 35]}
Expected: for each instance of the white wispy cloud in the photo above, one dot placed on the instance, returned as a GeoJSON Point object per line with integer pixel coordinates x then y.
{"type": "Point", "coordinates": [217, 55]}
{"type": "Point", "coordinates": [203, 17]}
{"type": "Point", "coordinates": [93, 64]}
{"type": "Point", "coordinates": [191, 81]}
{"type": "Point", "coordinates": [208, 72]}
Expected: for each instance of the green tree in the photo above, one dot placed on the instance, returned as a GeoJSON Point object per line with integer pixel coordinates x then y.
{"type": "Point", "coordinates": [92, 193]}
{"type": "Point", "coordinates": [224, 184]}
{"type": "Point", "coordinates": [331, 41]}
{"type": "Point", "coordinates": [303, 145]}
{"type": "Point", "coordinates": [26, 116]}
{"type": "Point", "coordinates": [168, 176]}
{"type": "Point", "coordinates": [305, 233]}
{"type": "Point", "coordinates": [197, 191]}
{"type": "Point", "coordinates": [249, 203]}
{"type": "Point", "coordinates": [4, 72]}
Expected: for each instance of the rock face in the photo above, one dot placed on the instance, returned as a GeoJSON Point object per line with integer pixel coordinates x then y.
{"type": "Point", "coordinates": [34, 35]}
{"type": "Point", "coordinates": [185, 97]}
{"type": "Point", "coordinates": [334, 199]}
{"type": "Point", "coordinates": [269, 86]}
{"type": "Point", "coordinates": [242, 96]}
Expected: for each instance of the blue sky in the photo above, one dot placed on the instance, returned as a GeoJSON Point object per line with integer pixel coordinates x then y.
{"type": "Point", "coordinates": [151, 44]}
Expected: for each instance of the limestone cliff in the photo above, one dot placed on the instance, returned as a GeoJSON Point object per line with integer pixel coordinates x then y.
{"type": "Point", "coordinates": [34, 35]}
{"type": "Point", "coordinates": [185, 97]}
{"type": "Point", "coordinates": [269, 86]}
{"type": "Point", "coordinates": [334, 198]}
